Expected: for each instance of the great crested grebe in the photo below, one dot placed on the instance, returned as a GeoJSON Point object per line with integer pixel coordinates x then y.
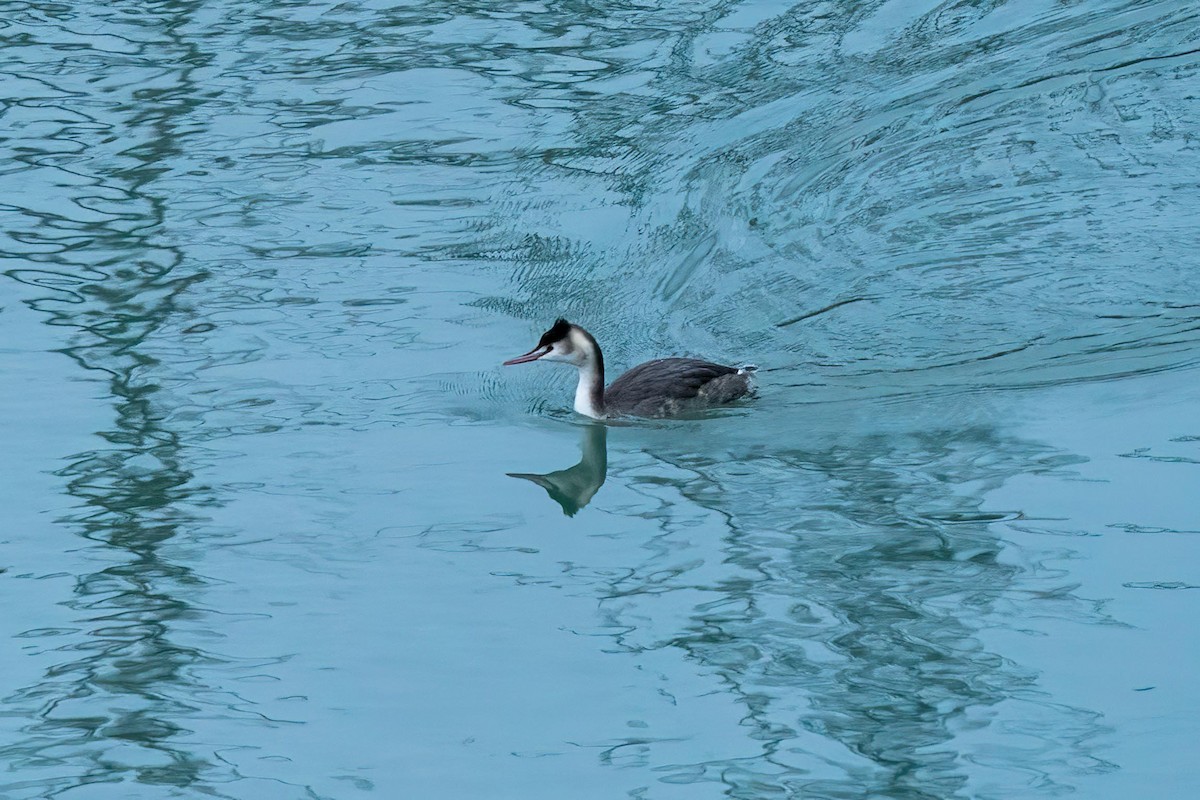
{"type": "Point", "coordinates": [658, 388]}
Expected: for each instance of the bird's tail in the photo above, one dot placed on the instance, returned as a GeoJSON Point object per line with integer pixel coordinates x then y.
{"type": "Point", "coordinates": [749, 382]}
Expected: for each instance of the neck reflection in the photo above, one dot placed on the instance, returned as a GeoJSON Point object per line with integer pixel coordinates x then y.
{"type": "Point", "coordinates": [574, 487]}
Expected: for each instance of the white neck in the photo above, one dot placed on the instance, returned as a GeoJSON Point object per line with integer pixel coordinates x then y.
{"type": "Point", "coordinates": [585, 394]}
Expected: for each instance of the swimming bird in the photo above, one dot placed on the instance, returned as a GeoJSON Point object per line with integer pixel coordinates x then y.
{"type": "Point", "coordinates": [657, 388]}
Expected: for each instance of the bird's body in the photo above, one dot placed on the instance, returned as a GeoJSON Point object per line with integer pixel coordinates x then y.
{"type": "Point", "coordinates": [669, 386]}
{"type": "Point", "coordinates": [660, 388]}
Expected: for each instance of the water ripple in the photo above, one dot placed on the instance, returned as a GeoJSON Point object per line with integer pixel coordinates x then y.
{"type": "Point", "coordinates": [279, 250]}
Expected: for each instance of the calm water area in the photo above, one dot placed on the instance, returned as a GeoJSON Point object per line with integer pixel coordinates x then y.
{"type": "Point", "coordinates": [276, 524]}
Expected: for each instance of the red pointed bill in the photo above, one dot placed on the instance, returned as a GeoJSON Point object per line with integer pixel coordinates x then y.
{"type": "Point", "coordinates": [532, 355]}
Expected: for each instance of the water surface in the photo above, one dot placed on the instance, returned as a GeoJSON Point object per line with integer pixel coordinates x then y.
{"type": "Point", "coordinates": [260, 263]}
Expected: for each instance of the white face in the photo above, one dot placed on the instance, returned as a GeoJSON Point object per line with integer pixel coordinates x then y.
{"type": "Point", "coordinates": [574, 350]}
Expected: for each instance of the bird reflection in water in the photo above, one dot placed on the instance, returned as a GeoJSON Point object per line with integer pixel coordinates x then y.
{"type": "Point", "coordinates": [574, 487]}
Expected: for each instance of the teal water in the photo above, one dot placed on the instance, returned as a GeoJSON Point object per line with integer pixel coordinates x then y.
{"type": "Point", "coordinates": [259, 265]}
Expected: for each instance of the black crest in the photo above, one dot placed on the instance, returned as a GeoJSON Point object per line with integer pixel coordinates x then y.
{"type": "Point", "coordinates": [557, 333]}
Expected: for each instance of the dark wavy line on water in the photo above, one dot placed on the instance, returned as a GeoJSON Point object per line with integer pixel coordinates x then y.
{"type": "Point", "coordinates": [822, 310]}
{"type": "Point", "coordinates": [1074, 73]}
